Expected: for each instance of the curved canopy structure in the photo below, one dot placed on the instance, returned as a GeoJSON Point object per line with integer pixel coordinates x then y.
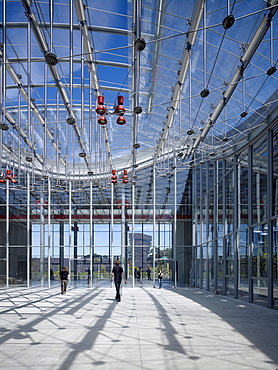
{"type": "Point", "coordinates": [190, 74]}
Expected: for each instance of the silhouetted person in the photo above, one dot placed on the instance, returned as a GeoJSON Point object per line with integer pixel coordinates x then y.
{"type": "Point", "coordinates": [149, 273]}
{"type": "Point", "coordinates": [64, 278]}
{"type": "Point", "coordinates": [51, 274]}
{"type": "Point", "coordinates": [160, 277]}
{"type": "Point", "coordinates": [117, 274]}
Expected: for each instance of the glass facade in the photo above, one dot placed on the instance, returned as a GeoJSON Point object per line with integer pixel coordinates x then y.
{"type": "Point", "coordinates": [140, 131]}
{"type": "Point", "coordinates": [242, 252]}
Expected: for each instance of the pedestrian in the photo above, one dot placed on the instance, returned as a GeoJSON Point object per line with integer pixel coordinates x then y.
{"type": "Point", "coordinates": [149, 273]}
{"type": "Point", "coordinates": [64, 278]}
{"type": "Point", "coordinates": [89, 276]}
{"type": "Point", "coordinates": [51, 274]}
{"type": "Point", "coordinates": [160, 277]}
{"type": "Point", "coordinates": [117, 274]}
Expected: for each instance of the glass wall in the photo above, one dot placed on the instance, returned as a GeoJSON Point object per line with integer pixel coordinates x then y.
{"type": "Point", "coordinates": [238, 249]}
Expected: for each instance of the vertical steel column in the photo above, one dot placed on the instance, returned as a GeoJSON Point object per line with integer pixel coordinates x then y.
{"type": "Point", "coordinates": [7, 233]}
{"type": "Point", "coordinates": [132, 242]}
{"type": "Point", "coordinates": [269, 215]}
{"type": "Point", "coordinates": [224, 212]}
{"type": "Point", "coordinates": [201, 226]}
{"type": "Point", "coordinates": [175, 224]}
{"type": "Point", "coordinates": [215, 228]}
{"type": "Point", "coordinates": [154, 223]}
{"type": "Point", "coordinates": [49, 234]}
{"type": "Point", "coordinates": [123, 231]}
{"type": "Point", "coordinates": [236, 232]}
{"type": "Point", "coordinates": [91, 235]}
{"type": "Point", "coordinates": [194, 227]}
{"type": "Point", "coordinates": [70, 233]}
{"type": "Point", "coordinates": [112, 227]}
{"type": "Point", "coordinates": [207, 226]}
{"type": "Point", "coordinates": [42, 244]}
{"type": "Point", "coordinates": [28, 230]}
{"type": "Point", "coordinates": [250, 222]}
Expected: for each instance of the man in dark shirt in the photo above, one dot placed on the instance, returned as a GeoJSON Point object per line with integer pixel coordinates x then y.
{"type": "Point", "coordinates": [117, 274]}
{"type": "Point", "coordinates": [63, 278]}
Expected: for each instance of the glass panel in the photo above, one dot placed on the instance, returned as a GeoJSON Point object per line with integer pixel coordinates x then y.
{"type": "Point", "coordinates": [275, 263]}
{"type": "Point", "coordinates": [275, 174]}
{"type": "Point", "coordinates": [229, 265]}
{"type": "Point", "coordinates": [260, 264]}
{"type": "Point", "coordinates": [3, 225]}
{"type": "Point", "coordinates": [230, 287]}
{"type": "Point", "coordinates": [220, 208]}
{"type": "Point", "coordinates": [211, 267]}
{"type": "Point", "coordinates": [259, 181]}
{"type": "Point", "coordinates": [230, 201]}
{"type": "Point", "coordinates": [243, 289]}
{"type": "Point", "coordinates": [2, 266]}
{"type": "Point", "coordinates": [260, 254]}
{"type": "Point", "coordinates": [260, 292]}
{"type": "Point", "coordinates": [243, 189]}
{"type": "Point", "coordinates": [199, 267]}
{"type": "Point", "coordinates": [204, 267]}
{"type": "Point", "coordinates": [220, 265]}
{"type": "Point", "coordinates": [198, 226]}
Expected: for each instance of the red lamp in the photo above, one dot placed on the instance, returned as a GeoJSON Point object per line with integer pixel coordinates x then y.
{"type": "Point", "coordinates": [121, 120]}
{"type": "Point", "coordinates": [125, 177]}
{"type": "Point", "coordinates": [101, 110]}
{"type": "Point", "coordinates": [102, 121]}
{"type": "Point", "coordinates": [114, 177]}
{"type": "Point", "coordinates": [120, 110]}
{"type": "Point", "coordinates": [8, 175]}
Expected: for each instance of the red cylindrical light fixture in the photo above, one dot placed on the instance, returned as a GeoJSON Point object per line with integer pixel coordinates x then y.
{"type": "Point", "coordinates": [8, 175]}
{"type": "Point", "coordinates": [120, 110]}
{"type": "Point", "coordinates": [102, 121]}
{"type": "Point", "coordinates": [121, 120]}
{"type": "Point", "coordinates": [100, 100]}
{"type": "Point", "coordinates": [114, 177]}
{"type": "Point", "coordinates": [125, 177]}
{"type": "Point", "coordinates": [101, 110]}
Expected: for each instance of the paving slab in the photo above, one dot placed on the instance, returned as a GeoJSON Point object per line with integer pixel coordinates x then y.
{"type": "Point", "coordinates": [182, 328]}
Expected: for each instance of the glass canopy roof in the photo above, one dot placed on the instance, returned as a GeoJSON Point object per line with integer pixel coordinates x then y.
{"type": "Point", "coordinates": [198, 71]}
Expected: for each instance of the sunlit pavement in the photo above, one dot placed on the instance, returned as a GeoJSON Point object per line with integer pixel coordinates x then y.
{"type": "Point", "coordinates": [150, 328]}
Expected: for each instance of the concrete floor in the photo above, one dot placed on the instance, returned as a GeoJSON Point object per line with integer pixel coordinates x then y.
{"type": "Point", "coordinates": [150, 328]}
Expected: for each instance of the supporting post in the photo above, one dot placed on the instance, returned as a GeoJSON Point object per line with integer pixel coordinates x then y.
{"type": "Point", "coordinates": [7, 234]}
{"type": "Point", "coordinates": [91, 236]}
{"type": "Point", "coordinates": [28, 230]}
{"type": "Point", "coordinates": [132, 243]}
{"type": "Point", "coordinates": [154, 224]}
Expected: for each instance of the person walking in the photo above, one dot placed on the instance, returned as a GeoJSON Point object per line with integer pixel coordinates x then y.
{"type": "Point", "coordinates": [160, 277]}
{"type": "Point", "coordinates": [149, 273]}
{"type": "Point", "coordinates": [64, 278]}
{"type": "Point", "coordinates": [51, 274]}
{"type": "Point", "coordinates": [117, 274]}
